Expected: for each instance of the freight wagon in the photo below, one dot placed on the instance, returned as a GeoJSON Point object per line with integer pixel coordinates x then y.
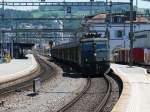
{"type": "Point", "coordinates": [139, 56]}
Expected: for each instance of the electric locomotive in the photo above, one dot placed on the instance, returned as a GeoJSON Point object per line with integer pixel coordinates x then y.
{"type": "Point", "coordinates": [91, 53]}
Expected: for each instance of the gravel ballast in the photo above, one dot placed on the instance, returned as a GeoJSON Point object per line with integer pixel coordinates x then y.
{"type": "Point", "coordinates": [54, 93]}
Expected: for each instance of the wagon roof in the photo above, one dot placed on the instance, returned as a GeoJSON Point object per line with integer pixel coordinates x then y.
{"type": "Point", "coordinates": [66, 45]}
{"type": "Point", "coordinates": [93, 39]}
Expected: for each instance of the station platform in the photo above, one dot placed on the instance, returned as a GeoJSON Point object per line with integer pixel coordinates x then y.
{"type": "Point", "coordinates": [17, 68]}
{"type": "Point", "coordinates": [135, 96]}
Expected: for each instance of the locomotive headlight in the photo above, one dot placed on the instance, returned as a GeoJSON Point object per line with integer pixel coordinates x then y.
{"type": "Point", "coordinates": [86, 60]}
{"type": "Point", "coordinates": [95, 54]}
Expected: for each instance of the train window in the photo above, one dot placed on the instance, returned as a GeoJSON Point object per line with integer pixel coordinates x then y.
{"type": "Point", "coordinates": [87, 51]}
{"type": "Point", "coordinates": [87, 46]}
{"type": "Point", "coordinates": [101, 51]}
{"type": "Point", "coordinates": [101, 45]}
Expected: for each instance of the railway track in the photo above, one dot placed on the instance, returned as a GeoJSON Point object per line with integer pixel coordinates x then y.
{"type": "Point", "coordinates": [44, 74]}
{"type": "Point", "coordinates": [101, 93]}
{"type": "Point", "coordinates": [76, 98]}
{"type": "Point", "coordinates": [104, 101]}
{"type": "Point", "coordinates": [97, 104]}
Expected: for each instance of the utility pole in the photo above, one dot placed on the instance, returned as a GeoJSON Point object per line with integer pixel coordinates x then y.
{"type": "Point", "coordinates": [2, 33]}
{"type": "Point", "coordinates": [131, 32]}
{"type": "Point", "coordinates": [108, 10]}
{"type": "Point", "coordinates": [63, 22]}
{"type": "Point", "coordinates": [91, 9]}
{"type": "Point", "coordinates": [137, 6]}
{"type": "Point", "coordinates": [12, 41]}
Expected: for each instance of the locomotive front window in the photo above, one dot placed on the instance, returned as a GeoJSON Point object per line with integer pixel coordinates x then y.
{"type": "Point", "coordinates": [87, 46]}
{"type": "Point", "coordinates": [101, 50]}
{"type": "Point", "coordinates": [101, 45]}
{"type": "Point", "coordinates": [87, 51]}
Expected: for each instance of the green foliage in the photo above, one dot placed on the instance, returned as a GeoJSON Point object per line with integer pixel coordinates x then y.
{"type": "Point", "coordinates": [47, 11]}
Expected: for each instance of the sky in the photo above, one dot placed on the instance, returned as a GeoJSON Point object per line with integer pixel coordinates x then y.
{"type": "Point", "coordinates": [141, 4]}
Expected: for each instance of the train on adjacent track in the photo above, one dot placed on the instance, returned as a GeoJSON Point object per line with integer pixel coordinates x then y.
{"type": "Point", "coordinates": [140, 56]}
{"type": "Point", "coordinates": [90, 54]}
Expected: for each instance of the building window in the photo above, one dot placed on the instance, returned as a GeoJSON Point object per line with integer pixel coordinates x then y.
{"type": "Point", "coordinates": [115, 19]}
{"type": "Point", "coordinates": [119, 20]}
{"type": "Point", "coordinates": [119, 34]}
{"type": "Point", "coordinates": [141, 36]}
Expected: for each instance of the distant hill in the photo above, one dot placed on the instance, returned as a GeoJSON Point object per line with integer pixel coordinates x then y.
{"type": "Point", "coordinates": [58, 11]}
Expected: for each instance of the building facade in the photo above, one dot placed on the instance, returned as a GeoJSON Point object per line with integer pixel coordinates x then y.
{"type": "Point", "coordinates": [119, 29]}
{"type": "Point", "coordinates": [142, 39]}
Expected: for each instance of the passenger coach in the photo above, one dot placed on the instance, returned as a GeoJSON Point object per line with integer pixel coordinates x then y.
{"type": "Point", "coordinates": [91, 53]}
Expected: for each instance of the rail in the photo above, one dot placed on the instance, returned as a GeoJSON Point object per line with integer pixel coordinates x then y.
{"type": "Point", "coordinates": [100, 106]}
{"type": "Point", "coordinates": [104, 101]}
{"type": "Point", "coordinates": [25, 84]}
{"type": "Point", "coordinates": [76, 98]}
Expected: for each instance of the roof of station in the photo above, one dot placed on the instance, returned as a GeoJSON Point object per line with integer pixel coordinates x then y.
{"type": "Point", "coordinates": [101, 18]}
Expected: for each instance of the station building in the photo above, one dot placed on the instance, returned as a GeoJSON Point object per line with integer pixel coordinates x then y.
{"type": "Point", "coordinates": [119, 29]}
{"type": "Point", "coordinates": [142, 39]}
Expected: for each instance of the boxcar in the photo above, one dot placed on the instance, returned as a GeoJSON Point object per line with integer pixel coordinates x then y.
{"type": "Point", "coordinates": [140, 56]}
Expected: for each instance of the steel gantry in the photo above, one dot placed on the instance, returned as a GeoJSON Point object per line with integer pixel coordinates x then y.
{"type": "Point", "coordinates": [59, 3]}
{"type": "Point", "coordinates": [44, 30]}
{"type": "Point", "coordinates": [43, 3]}
{"type": "Point", "coordinates": [50, 18]}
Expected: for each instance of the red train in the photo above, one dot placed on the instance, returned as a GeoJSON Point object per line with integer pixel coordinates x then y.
{"type": "Point", "coordinates": [140, 56]}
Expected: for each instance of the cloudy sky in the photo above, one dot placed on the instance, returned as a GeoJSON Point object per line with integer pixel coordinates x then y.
{"type": "Point", "coordinates": [141, 4]}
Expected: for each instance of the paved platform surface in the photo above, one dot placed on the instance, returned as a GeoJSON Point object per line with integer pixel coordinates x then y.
{"type": "Point", "coordinates": [17, 68]}
{"type": "Point", "coordinates": [136, 89]}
